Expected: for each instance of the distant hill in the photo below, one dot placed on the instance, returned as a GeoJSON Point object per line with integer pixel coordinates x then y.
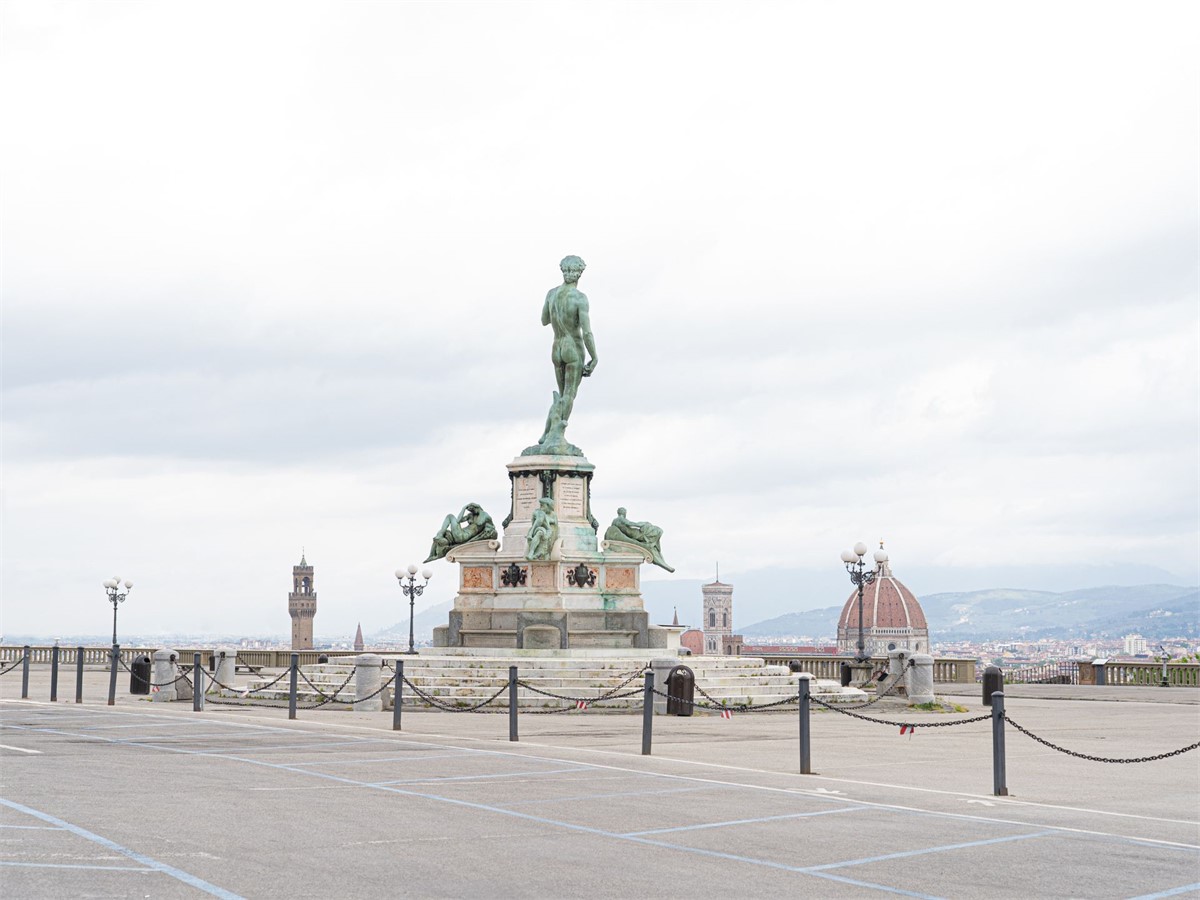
{"type": "Point", "coordinates": [1153, 610]}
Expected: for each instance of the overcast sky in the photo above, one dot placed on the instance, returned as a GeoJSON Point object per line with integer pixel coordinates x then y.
{"type": "Point", "coordinates": [273, 272]}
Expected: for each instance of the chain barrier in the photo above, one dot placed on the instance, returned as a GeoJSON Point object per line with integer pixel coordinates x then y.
{"type": "Point", "coordinates": [330, 698]}
{"type": "Point", "coordinates": [887, 691]}
{"type": "Point", "coordinates": [846, 712]}
{"type": "Point", "coordinates": [244, 693]}
{"type": "Point", "coordinates": [610, 694]}
{"type": "Point", "coordinates": [18, 661]}
{"type": "Point", "coordinates": [435, 702]}
{"type": "Point", "coordinates": [154, 684]}
{"type": "Point", "coordinates": [585, 701]}
{"type": "Point", "coordinates": [716, 705]}
{"type": "Point", "coordinates": [1103, 759]}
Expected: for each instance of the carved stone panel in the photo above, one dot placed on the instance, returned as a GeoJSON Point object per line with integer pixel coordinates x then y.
{"type": "Point", "coordinates": [526, 492]}
{"type": "Point", "coordinates": [477, 577]}
{"type": "Point", "coordinates": [542, 576]}
{"type": "Point", "coordinates": [570, 497]}
{"type": "Point", "coordinates": [618, 578]}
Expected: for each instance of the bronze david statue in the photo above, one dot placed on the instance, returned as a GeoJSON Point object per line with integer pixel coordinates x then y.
{"type": "Point", "coordinates": [573, 354]}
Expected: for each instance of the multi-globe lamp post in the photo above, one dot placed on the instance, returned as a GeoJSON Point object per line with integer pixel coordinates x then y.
{"type": "Point", "coordinates": [115, 597]}
{"type": "Point", "coordinates": [861, 577]}
{"type": "Point", "coordinates": [412, 591]}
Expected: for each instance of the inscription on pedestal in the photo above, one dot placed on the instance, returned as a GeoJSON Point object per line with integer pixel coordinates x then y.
{"type": "Point", "coordinates": [526, 492]}
{"type": "Point", "coordinates": [570, 498]}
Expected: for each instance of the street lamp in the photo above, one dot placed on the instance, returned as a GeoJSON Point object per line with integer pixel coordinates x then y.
{"type": "Point", "coordinates": [115, 597]}
{"type": "Point", "coordinates": [859, 575]}
{"type": "Point", "coordinates": [412, 591]}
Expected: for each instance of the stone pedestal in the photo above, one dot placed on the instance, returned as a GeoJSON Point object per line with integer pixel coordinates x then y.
{"type": "Point", "coordinates": [225, 668]}
{"type": "Point", "coordinates": [166, 671]}
{"type": "Point", "coordinates": [367, 679]}
{"type": "Point", "coordinates": [920, 679]}
{"type": "Point", "coordinates": [587, 594]}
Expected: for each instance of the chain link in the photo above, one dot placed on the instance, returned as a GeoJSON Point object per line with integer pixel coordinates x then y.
{"type": "Point", "coordinates": [18, 661]}
{"type": "Point", "coordinates": [1103, 759]}
{"type": "Point", "coordinates": [846, 712]}
{"type": "Point", "coordinates": [610, 694]}
{"type": "Point", "coordinates": [434, 701]}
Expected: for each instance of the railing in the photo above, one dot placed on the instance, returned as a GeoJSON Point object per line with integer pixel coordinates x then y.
{"type": "Point", "coordinates": [269, 659]}
{"type": "Point", "coordinates": [1120, 672]}
{"type": "Point", "coordinates": [1061, 672]}
{"type": "Point", "coordinates": [946, 670]}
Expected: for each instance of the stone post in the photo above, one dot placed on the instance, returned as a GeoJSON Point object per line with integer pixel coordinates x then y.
{"type": "Point", "coordinates": [920, 679]}
{"type": "Point", "coordinates": [225, 670]}
{"type": "Point", "coordinates": [897, 661]}
{"type": "Point", "coordinates": [166, 671]}
{"type": "Point", "coordinates": [367, 670]}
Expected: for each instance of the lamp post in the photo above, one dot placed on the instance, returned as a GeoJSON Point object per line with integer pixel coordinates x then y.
{"type": "Point", "coordinates": [115, 597]}
{"type": "Point", "coordinates": [860, 576]}
{"type": "Point", "coordinates": [412, 591]}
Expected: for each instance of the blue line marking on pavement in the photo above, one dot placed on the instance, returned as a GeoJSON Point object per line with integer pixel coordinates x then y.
{"type": "Point", "coordinates": [686, 790]}
{"type": "Point", "coordinates": [30, 865]}
{"type": "Point", "coordinates": [435, 779]}
{"type": "Point", "coordinates": [1173, 892]}
{"type": "Point", "coordinates": [410, 758]}
{"type": "Point", "coordinates": [803, 815]}
{"type": "Point", "coordinates": [906, 853]}
{"type": "Point", "coordinates": [178, 874]}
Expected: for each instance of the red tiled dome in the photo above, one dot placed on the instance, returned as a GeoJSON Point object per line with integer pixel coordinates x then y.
{"type": "Point", "coordinates": [886, 604]}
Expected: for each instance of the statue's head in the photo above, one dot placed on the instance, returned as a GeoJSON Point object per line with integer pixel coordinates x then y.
{"type": "Point", "coordinates": [572, 267]}
{"type": "Point", "coordinates": [547, 503]}
{"type": "Point", "coordinates": [621, 511]}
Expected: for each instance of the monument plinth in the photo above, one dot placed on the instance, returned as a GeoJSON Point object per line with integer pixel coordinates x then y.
{"type": "Point", "coordinates": [549, 583]}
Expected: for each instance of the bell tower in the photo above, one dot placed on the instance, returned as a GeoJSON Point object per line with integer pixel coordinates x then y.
{"type": "Point", "coordinates": [302, 605]}
{"type": "Point", "coordinates": [718, 614]}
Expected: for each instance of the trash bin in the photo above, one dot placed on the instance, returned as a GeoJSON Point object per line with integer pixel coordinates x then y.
{"type": "Point", "coordinates": [322, 659]}
{"type": "Point", "coordinates": [993, 681]}
{"type": "Point", "coordinates": [847, 674]}
{"type": "Point", "coordinates": [681, 691]}
{"type": "Point", "coordinates": [139, 675]}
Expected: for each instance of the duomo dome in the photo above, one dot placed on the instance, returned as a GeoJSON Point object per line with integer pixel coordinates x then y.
{"type": "Point", "coordinates": [892, 617]}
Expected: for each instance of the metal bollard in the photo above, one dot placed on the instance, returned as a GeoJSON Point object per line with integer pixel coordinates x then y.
{"type": "Point", "coordinates": [648, 713]}
{"type": "Point", "coordinates": [512, 703]}
{"type": "Point", "coordinates": [54, 673]}
{"type": "Point", "coordinates": [805, 750]}
{"type": "Point", "coordinates": [397, 694]}
{"type": "Point", "coordinates": [197, 684]}
{"type": "Point", "coordinates": [78, 674]}
{"type": "Point", "coordinates": [25, 675]}
{"type": "Point", "coordinates": [292, 688]}
{"type": "Point", "coordinates": [112, 675]}
{"type": "Point", "coordinates": [999, 785]}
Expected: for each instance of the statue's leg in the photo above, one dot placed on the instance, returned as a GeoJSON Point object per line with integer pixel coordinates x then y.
{"type": "Point", "coordinates": [574, 372]}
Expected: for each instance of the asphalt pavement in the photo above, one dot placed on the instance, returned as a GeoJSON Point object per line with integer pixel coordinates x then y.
{"type": "Point", "coordinates": [148, 799]}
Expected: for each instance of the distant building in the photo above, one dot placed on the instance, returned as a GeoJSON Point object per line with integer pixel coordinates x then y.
{"type": "Point", "coordinates": [693, 639]}
{"type": "Point", "coordinates": [718, 616]}
{"type": "Point", "coordinates": [358, 639]}
{"type": "Point", "coordinates": [1135, 645]}
{"type": "Point", "coordinates": [302, 605]}
{"type": "Point", "coordinates": [892, 617]}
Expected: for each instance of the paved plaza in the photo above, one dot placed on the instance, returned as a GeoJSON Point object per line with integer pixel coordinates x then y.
{"type": "Point", "coordinates": [154, 800]}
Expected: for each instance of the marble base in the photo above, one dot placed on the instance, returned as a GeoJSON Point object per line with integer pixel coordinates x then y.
{"type": "Point", "coordinates": [587, 594]}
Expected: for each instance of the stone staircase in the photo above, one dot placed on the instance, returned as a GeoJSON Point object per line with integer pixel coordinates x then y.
{"type": "Point", "coordinates": [464, 681]}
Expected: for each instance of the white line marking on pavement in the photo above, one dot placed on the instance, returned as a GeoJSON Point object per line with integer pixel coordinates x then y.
{"type": "Point", "coordinates": [18, 749]}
